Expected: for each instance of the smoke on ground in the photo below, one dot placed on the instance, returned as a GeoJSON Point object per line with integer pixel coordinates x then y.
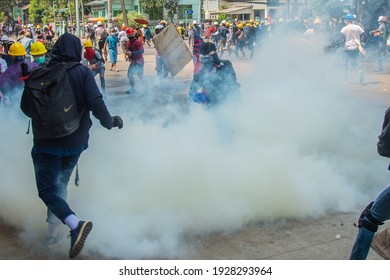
{"type": "Point", "coordinates": [296, 145]}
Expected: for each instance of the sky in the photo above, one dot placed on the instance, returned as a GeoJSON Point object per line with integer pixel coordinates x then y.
{"type": "Point", "coordinates": [295, 145]}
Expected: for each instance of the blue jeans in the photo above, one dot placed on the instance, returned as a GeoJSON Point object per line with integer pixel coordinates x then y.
{"type": "Point", "coordinates": [351, 57]}
{"type": "Point", "coordinates": [135, 69]}
{"type": "Point", "coordinates": [52, 174]}
{"type": "Point", "coordinates": [161, 67]}
{"type": "Point", "coordinates": [380, 210]}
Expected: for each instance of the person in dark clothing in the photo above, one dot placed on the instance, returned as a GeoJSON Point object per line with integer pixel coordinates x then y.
{"type": "Point", "coordinates": [55, 159]}
{"type": "Point", "coordinates": [216, 80]}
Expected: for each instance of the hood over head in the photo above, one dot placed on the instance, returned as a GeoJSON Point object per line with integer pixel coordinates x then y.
{"type": "Point", "coordinates": [68, 48]}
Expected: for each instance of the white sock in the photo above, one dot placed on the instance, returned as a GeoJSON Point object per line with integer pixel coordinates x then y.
{"type": "Point", "coordinates": [72, 221]}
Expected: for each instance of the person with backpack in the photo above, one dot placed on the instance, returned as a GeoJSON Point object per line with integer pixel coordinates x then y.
{"type": "Point", "coordinates": [215, 81]}
{"type": "Point", "coordinates": [95, 62]}
{"type": "Point", "coordinates": [57, 145]}
{"type": "Point", "coordinates": [376, 212]}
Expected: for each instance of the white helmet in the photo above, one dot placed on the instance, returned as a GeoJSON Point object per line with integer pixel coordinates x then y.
{"type": "Point", "coordinates": [4, 38]}
{"type": "Point", "coordinates": [99, 23]}
{"type": "Point", "coordinates": [215, 23]}
{"type": "Point", "coordinates": [194, 22]}
{"type": "Point", "coordinates": [223, 22]}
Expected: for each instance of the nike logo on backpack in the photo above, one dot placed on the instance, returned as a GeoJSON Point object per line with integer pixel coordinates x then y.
{"type": "Point", "coordinates": [66, 109]}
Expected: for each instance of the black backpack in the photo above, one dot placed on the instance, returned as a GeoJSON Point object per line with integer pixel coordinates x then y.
{"type": "Point", "coordinates": [50, 101]}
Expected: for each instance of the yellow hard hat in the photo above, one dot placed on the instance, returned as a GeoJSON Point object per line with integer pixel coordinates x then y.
{"type": "Point", "coordinates": [17, 49]}
{"type": "Point", "coordinates": [252, 20]}
{"type": "Point", "coordinates": [243, 22]}
{"type": "Point", "coordinates": [88, 44]}
{"type": "Point", "coordinates": [38, 48]}
{"type": "Point", "coordinates": [248, 24]}
{"type": "Point", "coordinates": [38, 26]}
{"type": "Point", "coordinates": [239, 25]}
{"type": "Point", "coordinates": [227, 24]}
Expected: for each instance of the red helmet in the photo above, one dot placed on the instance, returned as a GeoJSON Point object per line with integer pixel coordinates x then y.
{"type": "Point", "coordinates": [130, 31]}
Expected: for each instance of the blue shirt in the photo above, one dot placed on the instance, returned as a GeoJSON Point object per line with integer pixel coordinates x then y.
{"type": "Point", "coordinates": [112, 42]}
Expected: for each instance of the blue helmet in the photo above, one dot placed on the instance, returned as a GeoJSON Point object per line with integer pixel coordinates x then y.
{"type": "Point", "coordinates": [350, 16]}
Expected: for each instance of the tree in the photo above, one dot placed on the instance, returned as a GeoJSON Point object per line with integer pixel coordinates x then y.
{"type": "Point", "coordinates": [130, 17]}
{"type": "Point", "coordinates": [222, 17]}
{"type": "Point", "coordinates": [35, 12]}
{"type": "Point", "coordinates": [123, 7]}
{"type": "Point", "coordinates": [169, 5]}
{"type": "Point", "coordinates": [6, 6]}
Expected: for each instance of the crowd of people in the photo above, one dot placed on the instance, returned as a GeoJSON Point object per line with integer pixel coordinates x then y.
{"type": "Point", "coordinates": [214, 81]}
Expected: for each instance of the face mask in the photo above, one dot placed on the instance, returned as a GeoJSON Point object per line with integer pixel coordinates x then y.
{"type": "Point", "coordinates": [39, 59]}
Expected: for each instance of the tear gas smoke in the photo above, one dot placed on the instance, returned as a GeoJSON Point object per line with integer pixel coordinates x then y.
{"type": "Point", "coordinates": [296, 145]}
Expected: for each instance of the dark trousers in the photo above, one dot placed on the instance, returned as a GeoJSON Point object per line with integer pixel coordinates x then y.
{"type": "Point", "coordinates": [52, 174]}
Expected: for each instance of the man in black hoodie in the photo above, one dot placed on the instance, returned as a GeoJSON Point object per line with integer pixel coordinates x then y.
{"type": "Point", "coordinates": [55, 159]}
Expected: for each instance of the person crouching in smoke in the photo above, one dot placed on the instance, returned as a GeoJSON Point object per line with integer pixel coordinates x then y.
{"type": "Point", "coordinates": [216, 79]}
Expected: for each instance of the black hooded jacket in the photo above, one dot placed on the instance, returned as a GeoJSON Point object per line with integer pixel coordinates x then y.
{"type": "Point", "coordinates": [68, 48]}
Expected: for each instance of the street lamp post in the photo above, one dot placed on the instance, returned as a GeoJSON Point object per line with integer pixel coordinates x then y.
{"type": "Point", "coordinates": [77, 18]}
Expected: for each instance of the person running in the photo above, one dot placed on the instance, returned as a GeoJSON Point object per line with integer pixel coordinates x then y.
{"type": "Point", "coordinates": [123, 40]}
{"type": "Point", "coordinates": [95, 62]}
{"type": "Point", "coordinates": [161, 66]}
{"type": "Point", "coordinates": [383, 33]}
{"type": "Point", "coordinates": [112, 45]}
{"type": "Point", "coordinates": [352, 33]}
{"type": "Point", "coordinates": [54, 159]}
{"type": "Point", "coordinates": [135, 52]}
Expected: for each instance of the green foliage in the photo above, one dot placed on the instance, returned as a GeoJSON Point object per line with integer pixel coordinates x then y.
{"type": "Point", "coordinates": [171, 7]}
{"type": "Point", "coordinates": [3, 17]}
{"type": "Point", "coordinates": [35, 12]}
{"type": "Point", "coordinates": [222, 17]}
{"type": "Point", "coordinates": [130, 17]}
{"type": "Point", "coordinates": [150, 4]}
{"type": "Point", "coordinates": [6, 5]}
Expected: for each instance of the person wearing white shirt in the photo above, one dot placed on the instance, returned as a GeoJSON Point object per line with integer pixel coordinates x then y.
{"type": "Point", "coordinates": [352, 33]}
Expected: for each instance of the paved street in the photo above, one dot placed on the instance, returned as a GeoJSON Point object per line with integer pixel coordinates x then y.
{"type": "Point", "coordinates": [328, 236]}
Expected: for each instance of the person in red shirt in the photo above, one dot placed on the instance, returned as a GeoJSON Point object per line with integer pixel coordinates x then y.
{"type": "Point", "coordinates": [135, 53]}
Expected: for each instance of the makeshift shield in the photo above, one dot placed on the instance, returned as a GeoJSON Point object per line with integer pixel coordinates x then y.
{"type": "Point", "coordinates": [171, 47]}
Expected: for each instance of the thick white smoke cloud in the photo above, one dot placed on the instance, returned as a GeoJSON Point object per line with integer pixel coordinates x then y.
{"type": "Point", "coordinates": [295, 146]}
